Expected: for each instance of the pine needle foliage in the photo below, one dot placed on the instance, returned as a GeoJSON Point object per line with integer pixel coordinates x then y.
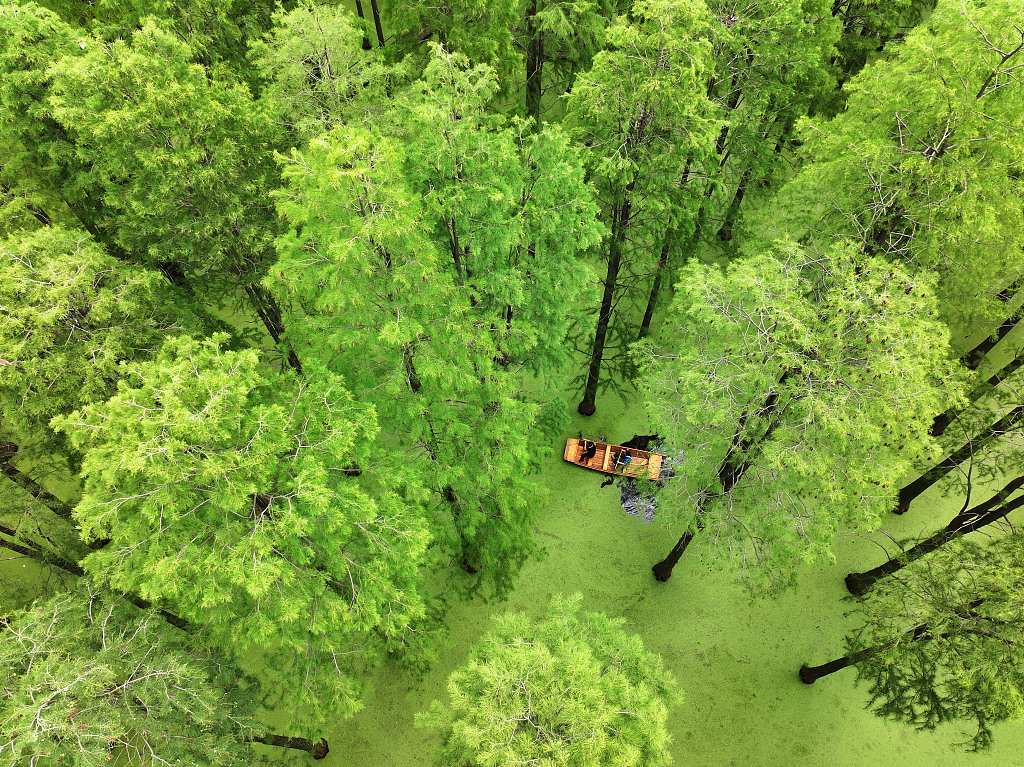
{"type": "Point", "coordinates": [570, 690]}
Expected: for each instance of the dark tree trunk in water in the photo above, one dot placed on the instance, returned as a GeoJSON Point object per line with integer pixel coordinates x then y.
{"type": "Point", "coordinates": [652, 301]}
{"type": "Point", "coordinates": [909, 492]}
{"type": "Point", "coordinates": [811, 674]}
{"type": "Point", "coordinates": [36, 552]}
{"type": "Point", "coordinates": [359, 13]}
{"type": "Point", "coordinates": [29, 485]}
{"type": "Point", "coordinates": [983, 514]}
{"type": "Point", "coordinates": [663, 570]}
{"type": "Point", "coordinates": [725, 233]}
{"type": "Point", "coordinates": [318, 749]}
{"type": "Point", "coordinates": [973, 359]}
{"type": "Point", "coordinates": [376, 22]}
{"type": "Point", "coordinates": [942, 421]}
{"type": "Point", "coordinates": [729, 473]}
{"type": "Point", "coordinates": [534, 65]}
{"type": "Point", "coordinates": [269, 312]}
{"type": "Point", "coordinates": [620, 223]}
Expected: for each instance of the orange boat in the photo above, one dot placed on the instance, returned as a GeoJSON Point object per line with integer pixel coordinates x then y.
{"type": "Point", "coordinates": [609, 459]}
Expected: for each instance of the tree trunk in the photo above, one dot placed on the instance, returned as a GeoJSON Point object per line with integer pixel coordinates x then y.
{"type": "Point", "coordinates": [534, 65]}
{"type": "Point", "coordinates": [909, 492]}
{"type": "Point", "coordinates": [942, 421]}
{"type": "Point", "coordinates": [269, 312]}
{"type": "Point", "coordinates": [359, 13]}
{"type": "Point", "coordinates": [983, 514]}
{"type": "Point", "coordinates": [45, 558]}
{"type": "Point", "coordinates": [376, 22]}
{"type": "Point", "coordinates": [729, 473]}
{"type": "Point", "coordinates": [725, 233]}
{"type": "Point", "coordinates": [620, 223]}
{"type": "Point", "coordinates": [29, 485]}
{"type": "Point", "coordinates": [811, 674]}
{"type": "Point", "coordinates": [317, 750]}
{"type": "Point", "coordinates": [972, 360]}
{"type": "Point", "coordinates": [663, 570]}
{"type": "Point", "coordinates": [38, 553]}
{"type": "Point", "coordinates": [652, 301]}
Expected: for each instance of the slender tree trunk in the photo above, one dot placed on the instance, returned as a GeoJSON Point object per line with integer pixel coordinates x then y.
{"type": "Point", "coordinates": [317, 749]}
{"type": "Point", "coordinates": [467, 559]}
{"type": "Point", "coordinates": [620, 224]}
{"type": "Point", "coordinates": [922, 633]}
{"type": "Point", "coordinates": [38, 553]}
{"type": "Point", "coordinates": [729, 473]}
{"type": "Point", "coordinates": [652, 301]}
{"type": "Point", "coordinates": [983, 514]}
{"type": "Point", "coordinates": [943, 420]}
{"type": "Point", "coordinates": [376, 22]}
{"type": "Point", "coordinates": [534, 65]}
{"type": "Point", "coordinates": [811, 674]}
{"type": "Point", "coordinates": [973, 359]}
{"type": "Point", "coordinates": [269, 312]}
{"type": "Point", "coordinates": [909, 492]}
{"type": "Point", "coordinates": [725, 233]}
{"type": "Point", "coordinates": [29, 485]}
{"type": "Point", "coordinates": [663, 570]}
{"type": "Point", "coordinates": [359, 12]}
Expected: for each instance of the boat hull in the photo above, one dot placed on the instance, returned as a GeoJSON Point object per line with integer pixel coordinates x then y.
{"type": "Point", "coordinates": [643, 463]}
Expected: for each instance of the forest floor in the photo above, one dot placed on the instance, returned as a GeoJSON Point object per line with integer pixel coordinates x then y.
{"type": "Point", "coordinates": [736, 659]}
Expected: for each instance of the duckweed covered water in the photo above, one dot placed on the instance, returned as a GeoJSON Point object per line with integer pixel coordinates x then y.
{"type": "Point", "coordinates": [736, 659]}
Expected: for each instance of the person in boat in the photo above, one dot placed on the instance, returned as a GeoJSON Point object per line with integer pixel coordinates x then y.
{"type": "Point", "coordinates": [589, 449]}
{"type": "Point", "coordinates": [623, 458]}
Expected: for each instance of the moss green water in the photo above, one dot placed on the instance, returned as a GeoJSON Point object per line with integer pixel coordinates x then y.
{"type": "Point", "coordinates": [736, 659]}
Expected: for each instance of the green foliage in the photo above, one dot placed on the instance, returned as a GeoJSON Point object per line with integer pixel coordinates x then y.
{"type": "Point", "coordinates": [226, 495]}
{"type": "Point", "coordinates": [69, 316]}
{"type": "Point", "coordinates": [943, 639]}
{"type": "Point", "coordinates": [480, 30]}
{"type": "Point", "coordinates": [511, 208]}
{"type": "Point", "coordinates": [431, 341]}
{"type": "Point", "coordinates": [35, 158]}
{"type": "Point", "coordinates": [570, 690]}
{"type": "Point", "coordinates": [318, 75]}
{"type": "Point", "coordinates": [800, 386]}
{"type": "Point", "coordinates": [85, 678]}
{"type": "Point", "coordinates": [181, 160]}
{"type": "Point", "coordinates": [924, 165]}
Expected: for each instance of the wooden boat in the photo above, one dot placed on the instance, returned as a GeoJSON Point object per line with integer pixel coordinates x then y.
{"type": "Point", "coordinates": [640, 464]}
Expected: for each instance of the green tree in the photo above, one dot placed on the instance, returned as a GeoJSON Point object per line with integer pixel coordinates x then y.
{"type": "Point", "coordinates": [800, 386]}
{"type": "Point", "coordinates": [923, 166]}
{"type": "Point", "coordinates": [69, 316]}
{"type": "Point", "coordinates": [942, 641]}
{"type": "Point", "coordinates": [572, 689]}
{"type": "Point", "coordinates": [317, 73]}
{"type": "Point", "coordinates": [641, 112]}
{"type": "Point", "coordinates": [370, 297]}
{"type": "Point", "coordinates": [228, 495]}
{"type": "Point", "coordinates": [510, 207]}
{"type": "Point", "coordinates": [85, 677]}
{"type": "Point", "coordinates": [178, 164]}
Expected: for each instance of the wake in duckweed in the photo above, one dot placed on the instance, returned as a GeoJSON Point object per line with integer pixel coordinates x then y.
{"type": "Point", "coordinates": [636, 503]}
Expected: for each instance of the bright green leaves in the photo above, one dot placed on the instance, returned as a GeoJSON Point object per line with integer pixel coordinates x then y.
{"type": "Point", "coordinates": [228, 495]}
{"type": "Point", "coordinates": [181, 160]}
{"type": "Point", "coordinates": [570, 690]}
{"type": "Point", "coordinates": [86, 677]}
{"type": "Point", "coordinates": [318, 76]}
{"type": "Point", "coordinates": [924, 165]}
{"type": "Point", "coordinates": [800, 387]}
{"type": "Point", "coordinates": [69, 316]}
